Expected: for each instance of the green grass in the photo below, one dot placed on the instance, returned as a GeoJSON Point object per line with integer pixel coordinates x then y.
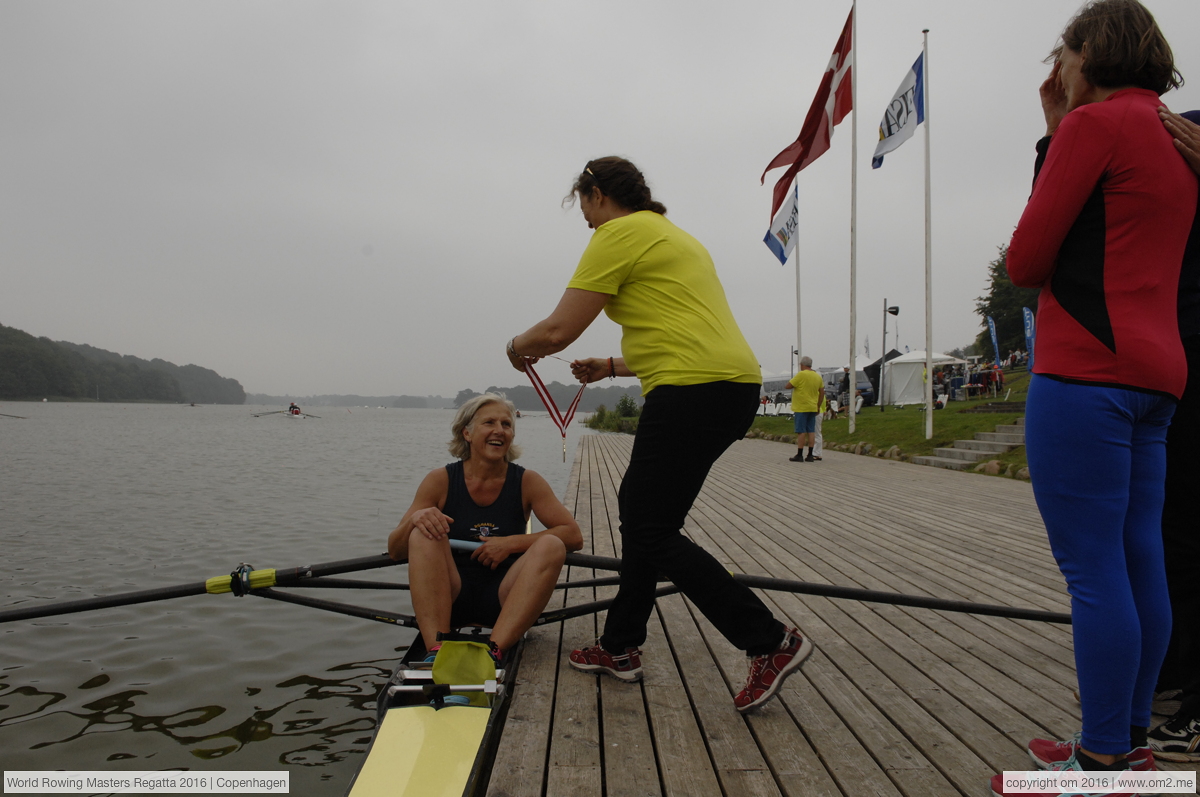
{"type": "Point", "coordinates": [905, 427]}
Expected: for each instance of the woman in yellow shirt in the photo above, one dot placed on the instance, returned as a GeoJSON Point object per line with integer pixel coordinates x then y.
{"type": "Point", "coordinates": [701, 385]}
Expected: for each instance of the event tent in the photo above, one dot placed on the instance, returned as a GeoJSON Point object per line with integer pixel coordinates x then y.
{"type": "Point", "coordinates": [904, 378]}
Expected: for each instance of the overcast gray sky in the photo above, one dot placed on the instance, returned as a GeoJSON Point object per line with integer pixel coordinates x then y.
{"type": "Point", "coordinates": [363, 197]}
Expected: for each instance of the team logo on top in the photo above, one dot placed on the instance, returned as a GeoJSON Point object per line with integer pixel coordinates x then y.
{"type": "Point", "coordinates": [481, 531]}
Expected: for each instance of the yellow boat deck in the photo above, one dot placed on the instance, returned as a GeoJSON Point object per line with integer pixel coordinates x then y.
{"type": "Point", "coordinates": [894, 701]}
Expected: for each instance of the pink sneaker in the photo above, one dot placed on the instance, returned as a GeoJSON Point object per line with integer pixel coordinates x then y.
{"type": "Point", "coordinates": [1047, 752]}
{"type": "Point", "coordinates": [768, 672]}
{"type": "Point", "coordinates": [625, 667]}
{"type": "Point", "coordinates": [1070, 763]}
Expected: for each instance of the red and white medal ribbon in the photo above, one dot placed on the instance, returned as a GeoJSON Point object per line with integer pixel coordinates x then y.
{"type": "Point", "coordinates": [561, 420]}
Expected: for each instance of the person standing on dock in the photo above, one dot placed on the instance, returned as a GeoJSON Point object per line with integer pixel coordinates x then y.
{"type": "Point", "coordinates": [1103, 236]}
{"type": "Point", "coordinates": [808, 388]}
{"type": "Point", "coordinates": [1178, 739]}
{"type": "Point", "coordinates": [680, 339]}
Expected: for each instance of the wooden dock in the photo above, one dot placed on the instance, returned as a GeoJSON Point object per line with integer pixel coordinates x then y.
{"type": "Point", "coordinates": [894, 701]}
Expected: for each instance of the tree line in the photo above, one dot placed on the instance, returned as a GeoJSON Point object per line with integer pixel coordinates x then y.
{"type": "Point", "coordinates": [1003, 302]}
{"type": "Point", "coordinates": [37, 368]}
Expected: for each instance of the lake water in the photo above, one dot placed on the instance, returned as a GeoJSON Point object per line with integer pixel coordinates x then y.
{"type": "Point", "coordinates": [98, 499]}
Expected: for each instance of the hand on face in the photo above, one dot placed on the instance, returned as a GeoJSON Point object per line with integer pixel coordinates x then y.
{"type": "Point", "coordinates": [1054, 99]}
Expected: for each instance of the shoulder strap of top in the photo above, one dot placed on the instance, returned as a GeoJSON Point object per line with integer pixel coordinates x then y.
{"type": "Point", "coordinates": [458, 483]}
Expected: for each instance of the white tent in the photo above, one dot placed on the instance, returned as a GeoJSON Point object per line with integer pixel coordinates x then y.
{"type": "Point", "coordinates": [904, 381]}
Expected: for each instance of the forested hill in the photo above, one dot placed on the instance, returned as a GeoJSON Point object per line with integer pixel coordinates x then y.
{"type": "Point", "coordinates": [36, 368]}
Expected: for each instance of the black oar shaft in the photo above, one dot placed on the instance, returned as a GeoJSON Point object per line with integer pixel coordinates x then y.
{"type": "Point", "coordinates": [855, 593]}
{"type": "Point", "coordinates": [287, 577]}
{"type": "Point", "coordinates": [918, 601]}
{"type": "Point", "coordinates": [610, 581]}
{"type": "Point", "coordinates": [282, 577]}
{"type": "Point", "coordinates": [377, 615]}
{"type": "Point", "coordinates": [558, 615]}
{"type": "Point", "coordinates": [594, 562]}
{"type": "Point", "coordinates": [102, 602]}
{"type": "Point", "coordinates": [343, 583]}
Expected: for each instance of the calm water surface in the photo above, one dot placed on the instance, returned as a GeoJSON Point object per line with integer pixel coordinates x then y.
{"type": "Point", "coordinates": [98, 499]}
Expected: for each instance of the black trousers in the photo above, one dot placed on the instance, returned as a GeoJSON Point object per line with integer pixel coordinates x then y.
{"type": "Point", "coordinates": [1181, 538]}
{"type": "Point", "coordinates": [683, 430]}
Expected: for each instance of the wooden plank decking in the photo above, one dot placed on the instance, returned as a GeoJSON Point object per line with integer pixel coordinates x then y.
{"type": "Point", "coordinates": [894, 701]}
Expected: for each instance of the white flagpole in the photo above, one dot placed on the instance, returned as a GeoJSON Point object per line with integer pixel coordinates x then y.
{"type": "Point", "coordinates": [850, 401]}
{"type": "Point", "coordinates": [796, 258]}
{"type": "Point", "coordinates": [928, 252]}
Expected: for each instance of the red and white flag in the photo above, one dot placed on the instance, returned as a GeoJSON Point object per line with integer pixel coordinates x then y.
{"type": "Point", "coordinates": [829, 107]}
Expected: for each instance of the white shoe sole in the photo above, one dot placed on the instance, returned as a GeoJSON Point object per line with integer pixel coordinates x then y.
{"type": "Point", "coordinates": [628, 677]}
{"type": "Point", "coordinates": [806, 649]}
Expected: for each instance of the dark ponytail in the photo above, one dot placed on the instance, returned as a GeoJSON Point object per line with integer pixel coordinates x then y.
{"type": "Point", "coordinates": [617, 179]}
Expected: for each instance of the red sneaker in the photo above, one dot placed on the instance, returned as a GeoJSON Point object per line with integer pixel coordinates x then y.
{"type": "Point", "coordinates": [1047, 752]}
{"type": "Point", "coordinates": [768, 672]}
{"type": "Point", "coordinates": [625, 667]}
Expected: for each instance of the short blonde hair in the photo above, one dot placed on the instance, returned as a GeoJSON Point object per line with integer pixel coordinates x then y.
{"type": "Point", "coordinates": [465, 419]}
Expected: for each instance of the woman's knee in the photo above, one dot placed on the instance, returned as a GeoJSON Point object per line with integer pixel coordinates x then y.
{"type": "Point", "coordinates": [549, 549]}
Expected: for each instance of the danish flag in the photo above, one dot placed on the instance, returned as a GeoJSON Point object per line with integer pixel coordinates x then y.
{"type": "Point", "coordinates": [829, 107]}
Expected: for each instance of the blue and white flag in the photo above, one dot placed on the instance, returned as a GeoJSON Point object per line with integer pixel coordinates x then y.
{"type": "Point", "coordinates": [1030, 331]}
{"type": "Point", "coordinates": [781, 238]}
{"type": "Point", "coordinates": [904, 112]}
{"type": "Point", "coordinates": [995, 341]}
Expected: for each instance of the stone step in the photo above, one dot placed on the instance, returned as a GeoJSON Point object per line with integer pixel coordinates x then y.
{"type": "Point", "coordinates": [965, 454]}
{"type": "Point", "coordinates": [983, 445]}
{"type": "Point", "coordinates": [1014, 428]}
{"type": "Point", "coordinates": [943, 462]}
{"type": "Point", "coordinates": [993, 437]}
{"type": "Point", "coordinates": [1019, 422]}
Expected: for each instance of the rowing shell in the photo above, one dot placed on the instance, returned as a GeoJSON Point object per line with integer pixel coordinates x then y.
{"type": "Point", "coordinates": [438, 750]}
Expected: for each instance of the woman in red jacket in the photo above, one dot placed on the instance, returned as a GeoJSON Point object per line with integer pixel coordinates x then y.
{"type": "Point", "coordinates": [1103, 236]}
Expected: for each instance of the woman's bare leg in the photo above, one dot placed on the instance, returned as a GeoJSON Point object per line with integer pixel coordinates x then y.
{"type": "Point", "coordinates": [434, 582]}
{"type": "Point", "coordinates": [526, 589]}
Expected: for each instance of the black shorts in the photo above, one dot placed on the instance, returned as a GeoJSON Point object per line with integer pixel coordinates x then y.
{"type": "Point", "coordinates": [478, 602]}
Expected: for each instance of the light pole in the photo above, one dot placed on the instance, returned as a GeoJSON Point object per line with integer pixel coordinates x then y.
{"type": "Point", "coordinates": [791, 361]}
{"type": "Point", "coordinates": [894, 310]}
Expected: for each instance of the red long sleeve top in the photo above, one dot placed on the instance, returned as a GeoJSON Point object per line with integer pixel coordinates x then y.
{"type": "Point", "coordinates": [1103, 236]}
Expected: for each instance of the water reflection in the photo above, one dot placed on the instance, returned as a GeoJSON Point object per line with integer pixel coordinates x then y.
{"type": "Point", "coordinates": [313, 721]}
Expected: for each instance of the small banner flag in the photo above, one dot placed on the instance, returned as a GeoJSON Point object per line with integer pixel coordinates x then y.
{"type": "Point", "coordinates": [995, 340]}
{"type": "Point", "coordinates": [1030, 332]}
{"type": "Point", "coordinates": [781, 238]}
{"type": "Point", "coordinates": [904, 112]}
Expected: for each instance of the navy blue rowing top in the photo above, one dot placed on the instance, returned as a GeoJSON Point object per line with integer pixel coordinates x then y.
{"type": "Point", "coordinates": [503, 517]}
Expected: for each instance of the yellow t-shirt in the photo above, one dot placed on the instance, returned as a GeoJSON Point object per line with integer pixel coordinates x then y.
{"type": "Point", "coordinates": [808, 390]}
{"type": "Point", "coordinates": [677, 328]}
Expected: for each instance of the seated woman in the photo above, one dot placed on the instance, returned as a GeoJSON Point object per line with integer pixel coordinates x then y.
{"type": "Point", "coordinates": [485, 498]}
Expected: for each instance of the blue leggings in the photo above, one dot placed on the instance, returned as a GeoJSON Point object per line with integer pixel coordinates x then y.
{"type": "Point", "coordinates": [1097, 458]}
